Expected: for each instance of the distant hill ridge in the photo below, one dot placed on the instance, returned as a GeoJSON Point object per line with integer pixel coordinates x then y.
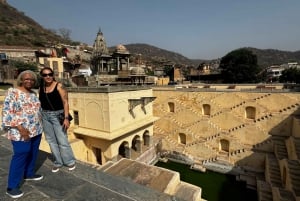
{"type": "Point", "coordinates": [17, 29]}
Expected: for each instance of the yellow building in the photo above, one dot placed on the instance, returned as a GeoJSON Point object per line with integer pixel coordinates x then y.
{"type": "Point", "coordinates": [56, 63]}
{"type": "Point", "coordinates": [110, 122]}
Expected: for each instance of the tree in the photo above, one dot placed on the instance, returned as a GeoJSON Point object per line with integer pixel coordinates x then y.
{"type": "Point", "coordinates": [290, 75]}
{"type": "Point", "coordinates": [169, 71]}
{"type": "Point", "coordinates": [239, 66]}
{"type": "Point", "coordinates": [22, 66]}
{"type": "Point", "coordinates": [65, 33]}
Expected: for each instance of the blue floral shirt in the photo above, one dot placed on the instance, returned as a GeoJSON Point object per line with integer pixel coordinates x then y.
{"type": "Point", "coordinates": [20, 108]}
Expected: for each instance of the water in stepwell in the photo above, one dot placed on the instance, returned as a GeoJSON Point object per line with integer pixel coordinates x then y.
{"type": "Point", "coordinates": [215, 186]}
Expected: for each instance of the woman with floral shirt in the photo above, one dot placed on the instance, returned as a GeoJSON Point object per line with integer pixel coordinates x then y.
{"type": "Point", "coordinates": [21, 118]}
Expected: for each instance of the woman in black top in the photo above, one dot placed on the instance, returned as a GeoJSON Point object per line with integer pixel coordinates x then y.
{"type": "Point", "coordinates": [54, 103]}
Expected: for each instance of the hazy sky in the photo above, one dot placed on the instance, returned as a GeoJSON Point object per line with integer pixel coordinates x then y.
{"type": "Point", "coordinates": [197, 29]}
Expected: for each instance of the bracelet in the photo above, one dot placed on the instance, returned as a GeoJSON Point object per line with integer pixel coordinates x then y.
{"type": "Point", "coordinates": [66, 117]}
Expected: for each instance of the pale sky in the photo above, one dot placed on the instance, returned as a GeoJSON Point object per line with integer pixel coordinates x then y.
{"type": "Point", "coordinates": [197, 29]}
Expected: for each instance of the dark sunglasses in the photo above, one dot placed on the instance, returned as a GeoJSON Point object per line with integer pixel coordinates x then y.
{"type": "Point", "coordinates": [49, 74]}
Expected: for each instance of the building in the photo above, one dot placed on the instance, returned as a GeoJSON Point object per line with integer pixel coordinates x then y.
{"type": "Point", "coordinates": [110, 123]}
{"type": "Point", "coordinates": [274, 72]}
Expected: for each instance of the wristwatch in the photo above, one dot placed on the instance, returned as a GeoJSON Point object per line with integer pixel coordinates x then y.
{"type": "Point", "coordinates": [66, 117]}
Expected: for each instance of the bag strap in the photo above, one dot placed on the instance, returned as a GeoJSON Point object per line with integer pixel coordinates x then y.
{"type": "Point", "coordinates": [48, 98]}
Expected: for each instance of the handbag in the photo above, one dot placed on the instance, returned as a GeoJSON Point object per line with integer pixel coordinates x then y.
{"type": "Point", "coordinates": [61, 118]}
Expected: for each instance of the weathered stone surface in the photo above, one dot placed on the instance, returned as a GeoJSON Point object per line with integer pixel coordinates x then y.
{"type": "Point", "coordinates": [83, 184]}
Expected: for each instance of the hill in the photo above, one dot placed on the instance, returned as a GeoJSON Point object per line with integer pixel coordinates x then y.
{"type": "Point", "coordinates": [154, 54]}
{"type": "Point", "coordinates": [268, 57]}
{"type": "Point", "coordinates": [17, 29]}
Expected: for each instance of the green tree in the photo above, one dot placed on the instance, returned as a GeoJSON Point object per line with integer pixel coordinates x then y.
{"type": "Point", "coordinates": [22, 66]}
{"type": "Point", "coordinates": [290, 75]}
{"type": "Point", "coordinates": [239, 66]}
{"type": "Point", "coordinates": [169, 71]}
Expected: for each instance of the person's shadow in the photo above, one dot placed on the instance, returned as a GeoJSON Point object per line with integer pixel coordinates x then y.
{"type": "Point", "coordinates": [42, 157]}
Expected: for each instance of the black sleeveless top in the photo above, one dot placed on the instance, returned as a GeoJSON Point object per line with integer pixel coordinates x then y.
{"type": "Point", "coordinates": [52, 97]}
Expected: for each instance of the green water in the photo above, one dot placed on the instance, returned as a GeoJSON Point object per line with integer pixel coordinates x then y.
{"type": "Point", "coordinates": [215, 186]}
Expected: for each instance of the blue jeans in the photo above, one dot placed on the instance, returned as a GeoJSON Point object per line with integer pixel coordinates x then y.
{"type": "Point", "coordinates": [23, 160]}
{"type": "Point", "coordinates": [57, 139]}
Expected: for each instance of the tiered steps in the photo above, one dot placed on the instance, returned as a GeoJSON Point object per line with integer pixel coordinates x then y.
{"type": "Point", "coordinates": [160, 179]}
{"type": "Point", "coordinates": [264, 191]}
{"type": "Point", "coordinates": [294, 171]}
{"type": "Point", "coordinates": [274, 171]}
{"type": "Point", "coordinates": [286, 195]}
{"type": "Point", "coordinates": [297, 146]}
{"type": "Point", "coordinates": [279, 147]}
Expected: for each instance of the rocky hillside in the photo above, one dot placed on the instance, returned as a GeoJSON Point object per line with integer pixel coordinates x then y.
{"type": "Point", "coordinates": [17, 29]}
{"type": "Point", "coordinates": [269, 57]}
{"type": "Point", "coordinates": [157, 55]}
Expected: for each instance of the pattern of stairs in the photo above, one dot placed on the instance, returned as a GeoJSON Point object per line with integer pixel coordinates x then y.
{"type": "Point", "coordinates": [294, 171]}
{"type": "Point", "coordinates": [160, 179]}
{"type": "Point", "coordinates": [274, 171]}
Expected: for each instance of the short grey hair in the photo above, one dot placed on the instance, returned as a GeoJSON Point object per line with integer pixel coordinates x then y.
{"type": "Point", "coordinates": [20, 77]}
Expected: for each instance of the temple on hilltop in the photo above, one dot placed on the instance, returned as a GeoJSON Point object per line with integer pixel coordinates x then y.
{"type": "Point", "coordinates": [115, 66]}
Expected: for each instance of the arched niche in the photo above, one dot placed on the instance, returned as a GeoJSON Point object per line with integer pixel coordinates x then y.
{"type": "Point", "coordinates": [206, 109]}
{"type": "Point", "coordinates": [224, 145]}
{"type": "Point", "coordinates": [182, 138]}
{"type": "Point", "coordinates": [250, 112]}
{"type": "Point", "coordinates": [171, 107]}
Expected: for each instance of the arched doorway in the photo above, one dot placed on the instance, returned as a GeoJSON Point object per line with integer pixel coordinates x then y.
{"type": "Point", "coordinates": [146, 138]}
{"type": "Point", "coordinates": [136, 144]}
{"type": "Point", "coordinates": [124, 150]}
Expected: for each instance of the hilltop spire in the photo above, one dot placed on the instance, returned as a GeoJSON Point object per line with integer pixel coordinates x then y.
{"type": "Point", "coordinates": [99, 46]}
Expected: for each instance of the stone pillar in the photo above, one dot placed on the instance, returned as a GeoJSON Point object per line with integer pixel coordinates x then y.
{"type": "Point", "coordinates": [118, 63]}
{"type": "Point", "coordinates": [102, 65]}
{"type": "Point", "coordinates": [127, 63]}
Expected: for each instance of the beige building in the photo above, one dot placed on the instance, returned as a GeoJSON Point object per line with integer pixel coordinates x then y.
{"type": "Point", "coordinates": [110, 123]}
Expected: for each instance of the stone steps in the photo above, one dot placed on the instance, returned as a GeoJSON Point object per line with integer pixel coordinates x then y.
{"type": "Point", "coordinates": [160, 179]}
{"type": "Point", "coordinates": [264, 191]}
{"type": "Point", "coordinates": [274, 171]}
{"type": "Point", "coordinates": [294, 171]}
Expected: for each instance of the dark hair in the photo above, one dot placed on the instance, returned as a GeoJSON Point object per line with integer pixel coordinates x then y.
{"type": "Point", "coordinates": [46, 68]}
{"type": "Point", "coordinates": [41, 83]}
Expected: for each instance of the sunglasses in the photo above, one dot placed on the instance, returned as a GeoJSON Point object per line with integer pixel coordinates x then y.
{"type": "Point", "coordinates": [49, 74]}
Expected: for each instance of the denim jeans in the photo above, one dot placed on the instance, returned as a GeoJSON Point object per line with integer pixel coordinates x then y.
{"type": "Point", "coordinates": [23, 160]}
{"type": "Point", "coordinates": [57, 139]}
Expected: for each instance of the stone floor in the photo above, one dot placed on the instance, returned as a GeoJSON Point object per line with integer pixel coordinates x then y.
{"type": "Point", "coordinates": [85, 183]}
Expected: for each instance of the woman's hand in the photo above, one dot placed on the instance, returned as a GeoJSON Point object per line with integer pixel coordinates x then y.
{"type": "Point", "coordinates": [24, 133]}
{"type": "Point", "coordinates": [66, 124]}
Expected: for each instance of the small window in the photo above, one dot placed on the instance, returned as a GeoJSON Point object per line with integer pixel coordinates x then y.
{"type": "Point", "coordinates": [76, 118]}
